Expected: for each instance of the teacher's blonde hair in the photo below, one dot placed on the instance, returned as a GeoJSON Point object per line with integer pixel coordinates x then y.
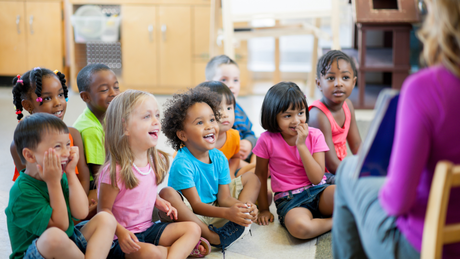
{"type": "Point", "coordinates": [440, 34]}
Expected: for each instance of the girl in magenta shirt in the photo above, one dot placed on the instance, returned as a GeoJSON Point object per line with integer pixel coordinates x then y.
{"type": "Point", "coordinates": [294, 153]}
{"type": "Point", "coordinates": [128, 184]}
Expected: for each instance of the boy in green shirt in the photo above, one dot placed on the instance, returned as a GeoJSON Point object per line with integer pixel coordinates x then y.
{"type": "Point", "coordinates": [47, 196]}
{"type": "Point", "coordinates": [98, 85]}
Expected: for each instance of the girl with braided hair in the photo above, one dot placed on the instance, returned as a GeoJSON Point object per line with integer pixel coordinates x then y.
{"type": "Point", "coordinates": [42, 90]}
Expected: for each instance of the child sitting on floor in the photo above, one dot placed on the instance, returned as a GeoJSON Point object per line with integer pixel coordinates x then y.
{"type": "Point", "coordinates": [334, 114]}
{"type": "Point", "coordinates": [47, 195]}
{"type": "Point", "coordinates": [294, 152]}
{"type": "Point", "coordinates": [128, 184]}
{"type": "Point", "coordinates": [41, 90]}
{"type": "Point", "coordinates": [200, 172]}
{"type": "Point", "coordinates": [224, 69]}
{"type": "Point", "coordinates": [98, 85]}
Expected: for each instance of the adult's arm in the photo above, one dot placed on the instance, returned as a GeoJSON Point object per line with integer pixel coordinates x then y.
{"type": "Point", "coordinates": [411, 148]}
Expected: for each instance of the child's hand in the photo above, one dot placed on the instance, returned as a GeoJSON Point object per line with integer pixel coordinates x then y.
{"type": "Point", "coordinates": [253, 211]}
{"type": "Point", "coordinates": [92, 204]}
{"type": "Point", "coordinates": [51, 170]}
{"type": "Point", "coordinates": [238, 214]}
{"type": "Point", "coordinates": [128, 241]}
{"type": "Point", "coordinates": [264, 218]}
{"type": "Point", "coordinates": [245, 149]}
{"type": "Point", "coordinates": [166, 206]}
{"type": "Point", "coordinates": [73, 160]}
{"type": "Point", "coordinates": [302, 133]}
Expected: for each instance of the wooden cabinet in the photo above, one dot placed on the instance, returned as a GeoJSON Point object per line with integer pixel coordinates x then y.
{"type": "Point", "coordinates": [139, 46]}
{"type": "Point", "coordinates": [31, 36]}
{"type": "Point", "coordinates": [164, 44]}
{"type": "Point", "coordinates": [156, 48]}
{"type": "Point", "coordinates": [175, 46]}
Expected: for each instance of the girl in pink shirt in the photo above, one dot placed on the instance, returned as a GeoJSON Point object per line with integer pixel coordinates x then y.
{"type": "Point", "coordinates": [127, 184]}
{"type": "Point", "coordinates": [334, 114]}
{"type": "Point", "coordinates": [294, 153]}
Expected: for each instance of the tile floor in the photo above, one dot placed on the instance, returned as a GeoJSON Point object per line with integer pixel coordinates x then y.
{"type": "Point", "coordinates": [271, 241]}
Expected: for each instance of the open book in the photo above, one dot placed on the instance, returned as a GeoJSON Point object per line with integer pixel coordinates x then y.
{"type": "Point", "coordinates": [375, 151]}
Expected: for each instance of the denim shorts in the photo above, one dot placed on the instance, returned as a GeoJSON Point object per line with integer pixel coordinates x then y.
{"type": "Point", "coordinates": [308, 199]}
{"type": "Point", "coordinates": [151, 235]}
{"type": "Point", "coordinates": [77, 238]}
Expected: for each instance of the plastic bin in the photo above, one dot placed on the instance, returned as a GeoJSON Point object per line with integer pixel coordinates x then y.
{"type": "Point", "coordinates": [96, 28]}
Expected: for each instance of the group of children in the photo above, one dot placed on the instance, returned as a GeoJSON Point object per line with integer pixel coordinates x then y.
{"type": "Point", "coordinates": [103, 174]}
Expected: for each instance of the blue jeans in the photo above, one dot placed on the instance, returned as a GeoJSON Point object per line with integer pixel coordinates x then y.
{"type": "Point", "coordinates": [77, 238]}
{"type": "Point", "coordinates": [152, 236]}
{"type": "Point", "coordinates": [361, 227]}
{"type": "Point", "coordinates": [308, 199]}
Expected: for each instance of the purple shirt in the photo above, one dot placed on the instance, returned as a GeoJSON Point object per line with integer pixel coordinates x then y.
{"type": "Point", "coordinates": [284, 161]}
{"type": "Point", "coordinates": [427, 131]}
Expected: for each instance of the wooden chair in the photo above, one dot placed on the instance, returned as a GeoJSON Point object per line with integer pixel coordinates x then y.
{"type": "Point", "coordinates": [436, 233]}
{"type": "Point", "coordinates": [293, 10]}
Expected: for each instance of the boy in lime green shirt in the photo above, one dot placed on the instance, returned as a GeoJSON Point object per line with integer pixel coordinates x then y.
{"type": "Point", "coordinates": [98, 85]}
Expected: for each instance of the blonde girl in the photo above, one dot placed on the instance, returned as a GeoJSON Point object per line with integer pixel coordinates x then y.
{"type": "Point", "coordinates": [127, 183]}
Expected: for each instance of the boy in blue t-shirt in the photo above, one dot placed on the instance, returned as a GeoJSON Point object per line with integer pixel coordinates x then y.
{"type": "Point", "coordinates": [47, 196]}
{"type": "Point", "coordinates": [224, 69]}
{"type": "Point", "coordinates": [200, 172]}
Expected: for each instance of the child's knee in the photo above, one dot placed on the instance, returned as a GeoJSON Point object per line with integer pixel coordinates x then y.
{"type": "Point", "coordinates": [105, 219]}
{"type": "Point", "coordinates": [192, 228]}
{"type": "Point", "coordinates": [169, 194]}
{"type": "Point", "coordinates": [250, 177]}
{"type": "Point", "coordinates": [53, 239]}
{"type": "Point", "coordinates": [300, 229]}
{"type": "Point", "coordinates": [150, 251]}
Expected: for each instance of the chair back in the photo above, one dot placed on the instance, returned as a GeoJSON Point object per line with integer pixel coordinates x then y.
{"type": "Point", "coordinates": [435, 232]}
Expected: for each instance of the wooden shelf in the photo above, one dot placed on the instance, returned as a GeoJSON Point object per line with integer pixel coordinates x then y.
{"type": "Point", "coordinates": [377, 60]}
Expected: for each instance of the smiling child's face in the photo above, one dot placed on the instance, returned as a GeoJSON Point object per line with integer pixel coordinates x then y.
{"type": "Point", "coordinates": [53, 98]}
{"type": "Point", "coordinates": [59, 141]}
{"type": "Point", "coordinates": [103, 88]}
{"type": "Point", "coordinates": [143, 127]}
{"type": "Point", "coordinates": [200, 128]}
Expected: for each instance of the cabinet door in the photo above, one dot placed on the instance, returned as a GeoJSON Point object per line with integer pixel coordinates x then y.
{"type": "Point", "coordinates": [138, 43]}
{"type": "Point", "coordinates": [44, 35]}
{"type": "Point", "coordinates": [200, 36]}
{"type": "Point", "coordinates": [13, 38]}
{"type": "Point", "coordinates": [175, 49]}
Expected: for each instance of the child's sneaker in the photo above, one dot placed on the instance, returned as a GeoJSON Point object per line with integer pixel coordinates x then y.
{"type": "Point", "coordinates": [229, 234]}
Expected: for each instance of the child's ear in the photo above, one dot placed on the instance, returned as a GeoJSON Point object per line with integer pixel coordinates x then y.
{"type": "Point", "coordinates": [27, 105]}
{"type": "Point", "coordinates": [85, 96]}
{"type": "Point", "coordinates": [28, 155]}
{"type": "Point", "coordinates": [181, 135]}
{"type": "Point", "coordinates": [318, 84]}
{"type": "Point", "coordinates": [354, 80]}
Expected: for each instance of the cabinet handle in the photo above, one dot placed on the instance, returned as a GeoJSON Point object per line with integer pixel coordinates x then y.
{"type": "Point", "coordinates": [18, 19]}
{"type": "Point", "coordinates": [31, 22]}
{"type": "Point", "coordinates": [163, 31]}
{"type": "Point", "coordinates": [150, 29]}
